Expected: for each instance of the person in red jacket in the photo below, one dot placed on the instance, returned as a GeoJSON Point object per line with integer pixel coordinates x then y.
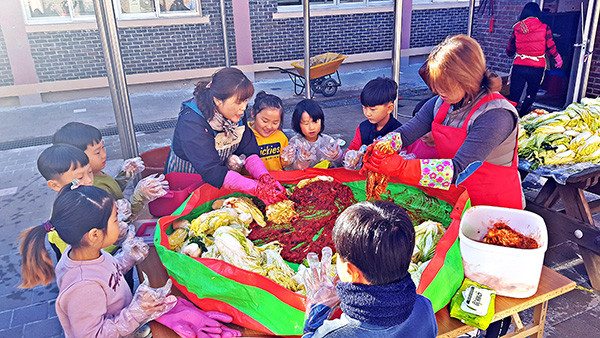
{"type": "Point", "coordinates": [529, 43]}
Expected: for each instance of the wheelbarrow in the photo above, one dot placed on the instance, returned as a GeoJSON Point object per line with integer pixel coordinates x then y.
{"type": "Point", "coordinates": [322, 68]}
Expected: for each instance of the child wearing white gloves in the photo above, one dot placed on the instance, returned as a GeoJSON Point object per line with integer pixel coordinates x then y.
{"type": "Point", "coordinates": [89, 139]}
{"type": "Point", "coordinates": [94, 300]}
{"type": "Point", "coordinates": [310, 147]}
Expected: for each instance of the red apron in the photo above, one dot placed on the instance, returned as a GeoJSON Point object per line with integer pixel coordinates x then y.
{"type": "Point", "coordinates": [491, 184]}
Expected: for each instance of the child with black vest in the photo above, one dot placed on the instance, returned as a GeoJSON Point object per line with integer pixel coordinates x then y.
{"type": "Point", "coordinates": [377, 99]}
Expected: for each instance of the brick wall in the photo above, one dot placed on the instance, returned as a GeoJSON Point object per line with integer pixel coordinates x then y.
{"type": "Point", "coordinates": [6, 78]}
{"type": "Point", "coordinates": [494, 43]}
{"type": "Point", "coordinates": [283, 39]}
{"type": "Point", "coordinates": [430, 27]}
{"type": "Point", "coordinates": [78, 54]}
{"type": "Point", "coordinates": [593, 89]}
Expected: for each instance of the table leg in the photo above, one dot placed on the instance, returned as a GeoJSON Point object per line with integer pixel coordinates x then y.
{"type": "Point", "coordinates": [577, 206]}
{"type": "Point", "coordinates": [539, 318]}
{"type": "Point", "coordinates": [548, 195]}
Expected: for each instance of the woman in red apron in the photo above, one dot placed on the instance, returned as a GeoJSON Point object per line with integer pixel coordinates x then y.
{"type": "Point", "coordinates": [474, 128]}
{"type": "Point", "coordinates": [475, 134]}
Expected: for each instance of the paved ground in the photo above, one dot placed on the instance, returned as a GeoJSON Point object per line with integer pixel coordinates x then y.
{"type": "Point", "coordinates": [26, 201]}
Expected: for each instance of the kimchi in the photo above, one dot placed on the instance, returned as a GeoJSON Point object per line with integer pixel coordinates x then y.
{"type": "Point", "coordinates": [503, 235]}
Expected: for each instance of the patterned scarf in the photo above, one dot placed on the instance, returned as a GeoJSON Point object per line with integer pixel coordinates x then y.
{"type": "Point", "coordinates": [220, 123]}
{"type": "Point", "coordinates": [379, 305]}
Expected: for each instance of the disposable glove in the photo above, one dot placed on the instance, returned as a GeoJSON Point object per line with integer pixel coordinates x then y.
{"type": "Point", "coordinates": [150, 188]}
{"type": "Point", "coordinates": [133, 166]}
{"type": "Point", "coordinates": [149, 303]}
{"type": "Point", "coordinates": [332, 151]}
{"type": "Point", "coordinates": [287, 156]}
{"type": "Point", "coordinates": [123, 209]}
{"type": "Point", "coordinates": [133, 251]}
{"type": "Point", "coordinates": [189, 322]}
{"type": "Point", "coordinates": [124, 230]}
{"type": "Point", "coordinates": [321, 295]}
{"type": "Point", "coordinates": [236, 163]}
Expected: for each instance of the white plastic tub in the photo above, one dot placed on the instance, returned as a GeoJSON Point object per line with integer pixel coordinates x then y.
{"type": "Point", "coordinates": [511, 272]}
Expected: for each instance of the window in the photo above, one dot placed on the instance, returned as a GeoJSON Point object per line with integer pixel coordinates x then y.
{"type": "Point", "coordinates": [331, 3]}
{"type": "Point", "coordinates": [58, 10]}
{"type": "Point", "coordinates": [133, 9]}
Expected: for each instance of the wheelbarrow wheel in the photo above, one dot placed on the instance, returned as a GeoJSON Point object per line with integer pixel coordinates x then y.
{"type": "Point", "coordinates": [329, 87]}
{"type": "Point", "coordinates": [316, 85]}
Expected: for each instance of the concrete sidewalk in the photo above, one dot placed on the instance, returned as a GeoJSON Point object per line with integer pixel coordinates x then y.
{"type": "Point", "coordinates": [25, 200]}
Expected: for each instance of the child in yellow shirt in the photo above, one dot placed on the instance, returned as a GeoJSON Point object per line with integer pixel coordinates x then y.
{"type": "Point", "coordinates": [267, 113]}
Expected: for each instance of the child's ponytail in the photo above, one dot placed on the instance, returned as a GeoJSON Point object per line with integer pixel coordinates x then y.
{"type": "Point", "coordinates": [76, 210]}
{"type": "Point", "coordinates": [36, 262]}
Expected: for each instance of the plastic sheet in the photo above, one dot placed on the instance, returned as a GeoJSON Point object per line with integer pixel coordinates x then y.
{"type": "Point", "coordinates": [560, 173]}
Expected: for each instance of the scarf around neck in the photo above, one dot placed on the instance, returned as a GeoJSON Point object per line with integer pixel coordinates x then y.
{"type": "Point", "coordinates": [220, 123]}
{"type": "Point", "coordinates": [379, 305]}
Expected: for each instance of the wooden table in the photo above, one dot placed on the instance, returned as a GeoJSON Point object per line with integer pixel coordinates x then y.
{"type": "Point", "coordinates": [552, 284]}
{"type": "Point", "coordinates": [574, 222]}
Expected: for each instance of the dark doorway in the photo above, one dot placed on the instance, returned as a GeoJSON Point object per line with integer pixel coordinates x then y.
{"type": "Point", "coordinates": [564, 26]}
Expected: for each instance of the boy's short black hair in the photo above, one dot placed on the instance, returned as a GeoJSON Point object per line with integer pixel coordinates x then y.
{"type": "Point", "coordinates": [313, 110]}
{"type": "Point", "coordinates": [379, 91]}
{"type": "Point", "coordinates": [77, 134]}
{"type": "Point", "coordinates": [378, 238]}
{"type": "Point", "coordinates": [59, 158]}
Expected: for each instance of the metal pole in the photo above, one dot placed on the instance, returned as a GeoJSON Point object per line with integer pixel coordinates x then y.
{"type": "Point", "coordinates": [542, 5]}
{"type": "Point", "coordinates": [583, 46]}
{"type": "Point", "coordinates": [397, 47]}
{"type": "Point", "coordinates": [107, 27]}
{"type": "Point", "coordinates": [588, 64]}
{"type": "Point", "coordinates": [224, 23]}
{"type": "Point", "coordinates": [470, 22]}
{"type": "Point", "coordinates": [306, 11]}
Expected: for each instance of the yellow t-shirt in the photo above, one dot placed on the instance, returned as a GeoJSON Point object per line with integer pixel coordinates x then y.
{"type": "Point", "coordinates": [270, 148]}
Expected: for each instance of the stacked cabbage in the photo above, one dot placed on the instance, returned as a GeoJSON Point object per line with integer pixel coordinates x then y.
{"type": "Point", "coordinates": [563, 137]}
{"type": "Point", "coordinates": [221, 234]}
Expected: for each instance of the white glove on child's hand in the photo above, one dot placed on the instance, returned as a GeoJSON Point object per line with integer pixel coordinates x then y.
{"type": "Point", "coordinates": [123, 209]}
{"type": "Point", "coordinates": [148, 303]}
{"type": "Point", "coordinates": [133, 251]}
{"type": "Point", "coordinates": [150, 188]}
{"type": "Point", "coordinates": [124, 230]}
{"type": "Point", "coordinates": [353, 159]}
{"type": "Point", "coordinates": [133, 166]}
{"type": "Point", "coordinates": [287, 156]}
{"type": "Point", "coordinates": [236, 163]}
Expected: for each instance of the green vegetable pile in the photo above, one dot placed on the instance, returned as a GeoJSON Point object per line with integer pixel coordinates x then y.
{"type": "Point", "coordinates": [563, 137]}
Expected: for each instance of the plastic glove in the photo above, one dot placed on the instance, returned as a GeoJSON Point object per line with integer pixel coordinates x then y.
{"type": "Point", "coordinates": [123, 209]}
{"type": "Point", "coordinates": [124, 230]}
{"type": "Point", "coordinates": [332, 150]}
{"type": "Point", "coordinates": [133, 166]}
{"type": "Point", "coordinates": [149, 303]}
{"type": "Point", "coordinates": [236, 163]}
{"type": "Point", "coordinates": [306, 155]}
{"type": "Point", "coordinates": [189, 322]}
{"type": "Point", "coordinates": [321, 295]}
{"type": "Point", "coordinates": [353, 160]}
{"type": "Point", "coordinates": [150, 188]}
{"type": "Point", "coordinates": [269, 190]}
{"type": "Point", "coordinates": [255, 166]}
{"type": "Point", "coordinates": [133, 251]}
{"type": "Point", "coordinates": [287, 156]}
{"type": "Point", "coordinates": [559, 61]}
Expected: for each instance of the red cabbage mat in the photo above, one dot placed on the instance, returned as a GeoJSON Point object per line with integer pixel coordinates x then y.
{"type": "Point", "coordinates": [260, 304]}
